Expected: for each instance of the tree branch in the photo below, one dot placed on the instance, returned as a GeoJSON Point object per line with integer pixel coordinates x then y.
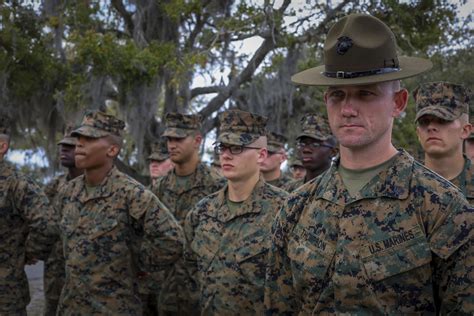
{"type": "Point", "coordinates": [312, 33]}
{"type": "Point", "coordinates": [205, 90]}
{"type": "Point", "coordinates": [127, 17]}
{"type": "Point", "coordinates": [246, 75]}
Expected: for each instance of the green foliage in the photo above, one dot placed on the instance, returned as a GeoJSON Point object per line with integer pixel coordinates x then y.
{"type": "Point", "coordinates": [48, 60]}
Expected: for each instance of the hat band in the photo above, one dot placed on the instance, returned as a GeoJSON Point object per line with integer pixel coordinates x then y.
{"type": "Point", "coordinates": [357, 74]}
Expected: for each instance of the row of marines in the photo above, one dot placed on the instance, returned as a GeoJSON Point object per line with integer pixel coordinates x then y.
{"type": "Point", "coordinates": [368, 231]}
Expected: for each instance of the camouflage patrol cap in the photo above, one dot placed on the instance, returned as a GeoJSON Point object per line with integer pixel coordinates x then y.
{"type": "Point", "coordinates": [98, 124]}
{"type": "Point", "coordinates": [5, 124]}
{"type": "Point", "coordinates": [294, 161]}
{"type": "Point", "coordinates": [181, 125]}
{"type": "Point", "coordinates": [316, 127]}
{"type": "Point", "coordinates": [67, 138]}
{"type": "Point", "coordinates": [444, 100]}
{"type": "Point", "coordinates": [240, 127]}
{"type": "Point", "coordinates": [275, 141]}
{"type": "Point", "coordinates": [158, 152]}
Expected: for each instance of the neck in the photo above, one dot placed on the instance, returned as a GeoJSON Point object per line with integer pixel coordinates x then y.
{"type": "Point", "coordinates": [188, 167]}
{"type": "Point", "coordinates": [448, 167]}
{"type": "Point", "coordinates": [240, 190]}
{"type": "Point", "coordinates": [95, 176]}
{"type": "Point", "coordinates": [313, 173]}
{"type": "Point", "coordinates": [74, 172]}
{"type": "Point", "coordinates": [272, 175]}
{"type": "Point", "coordinates": [366, 157]}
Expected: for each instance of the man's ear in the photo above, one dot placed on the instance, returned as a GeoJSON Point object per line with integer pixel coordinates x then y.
{"type": "Point", "coordinates": [197, 140]}
{"type": "Point", "coordinates": [466, 131]}
{"type": "Point", "coordinates": [262, 155]}
{"type": "Point", "coordinates": [400, 99]}
{"type": "Point", "coordinates": [113, 151]}
{"type": "Point", "coordinates": [3, 147]}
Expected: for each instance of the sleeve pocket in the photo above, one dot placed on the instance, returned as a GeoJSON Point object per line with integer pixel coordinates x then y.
{"type": "Point", "coordinates": [397, 261]}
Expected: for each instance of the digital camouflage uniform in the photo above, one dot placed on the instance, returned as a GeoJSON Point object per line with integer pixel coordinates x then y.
{"type": "Point", "coordinates": [53, 271]}
{"type": "Point", "coordinates": [465, 181]}
{"type": "Point", "coordinates": [150, 286]}
{"type": "Point", "coordinates": [402, 245]}
{"type": "Point", "coordinates": [24, 233]}
{"type": "Point", "coordinates": [282, 181]}
{"type": "Point", "coordinates": [226, 252]}
{"type": "Point", "coordinates": [158, 152]}
{"type": "Point", "coordinates": [293, 185]}
{"type": "Point", "coordinates": [176, 292]}
{"type": "Point", "coordinates": [275, 143]}
{"type": "Point", "coordinates": [111, 236]}
{"type": "Point", "coordinates": [447, 101]}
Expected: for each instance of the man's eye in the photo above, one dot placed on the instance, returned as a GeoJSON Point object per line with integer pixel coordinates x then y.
{"type": "Point", "coordinates": [366, 93]}
{"type": "Point", "coordinates": [336, 94]}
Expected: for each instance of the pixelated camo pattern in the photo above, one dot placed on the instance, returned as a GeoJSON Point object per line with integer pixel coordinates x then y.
{"type": "Point", "coordinates": [465, 180]}
{"type": "Point", "coordinates": [109, 237]}
{"type": "Point", "coordinates": [240, 127]}
{"type": "Point", "coordinates": [177, 292]}
{"type": "Point", "coordinates": [275, 141]}
{"type": "Point", "coordinates": [181, 125]}
{"type": "Point", "coordinates": [54, 274]}
{"type": "Point", "coordinates": [442, 99]}
{"type": "Point", "coordinates": [99, 124]}
{"type": "Point", "coordinates": [281, 182]}
{"type": "Point", "coordinates": [226, 252]}
{"type": "Point", "coordinates": [315, 126]}
{"type": "Point", "coordinates": [407, 235]}
{"type": "Point", "coordinates": [24, 210]}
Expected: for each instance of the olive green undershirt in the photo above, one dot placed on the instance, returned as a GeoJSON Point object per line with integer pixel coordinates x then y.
{"type": "Point", "coordinates": [183, 181]}
{"type": "Point", "coordinates": [356, 179]}
{"type": "Point", "coordinates": [90, 189]}
{"type": "Point", "coordinates": [233, 206]}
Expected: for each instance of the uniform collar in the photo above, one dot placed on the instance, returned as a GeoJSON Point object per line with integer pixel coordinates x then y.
{"type": "Point", "coordinates": [393, 182]}
{"type": "Point", "coordinates": [253, 204]}
{"type": "Point", "coordinates": [197, 179]}
{"type": "Point", "coordinates": [467, 187]}
{"type": "Point", "coordinates": [105, 189]}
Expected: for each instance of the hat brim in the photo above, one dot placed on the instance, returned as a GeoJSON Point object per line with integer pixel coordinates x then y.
{"type": "Point", "coordinates": [437, 111]}
{"type": "Point", "coordinates": [312, 136]}
{"type": "Point", "coordinates": [71, 141]}
{"type": "Point", "coordinates": [89, 131]}
{"type": "Point", "coordinates": [409, 67]}
{"type": "Point", "coordinates": [157, 157]}
{"type": "Point", "coordinates": [237, 139]}
{"type": "Point", "coordinates": [274, 148]}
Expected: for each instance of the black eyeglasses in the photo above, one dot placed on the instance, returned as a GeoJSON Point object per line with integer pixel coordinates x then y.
{"type": "Point", "coordinates": [234, 149]}
{"type": "Point", "coordinates": [313, 145]}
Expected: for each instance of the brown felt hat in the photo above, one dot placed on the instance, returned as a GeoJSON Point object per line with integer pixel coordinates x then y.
{"type": "Point", "coordinates": [361, 49]}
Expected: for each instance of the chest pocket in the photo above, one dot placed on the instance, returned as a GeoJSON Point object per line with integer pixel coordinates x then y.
{"type": "Point", "coordinates": [311, 257]}
{"type": "Point", "coordinates": [397, 259]}
{"type": "Point", "coordinates": [251, 259]}
{"type": "Point", "coordinates": [205, 248]}
{"type": "Point", "coordinates": [103, 229]}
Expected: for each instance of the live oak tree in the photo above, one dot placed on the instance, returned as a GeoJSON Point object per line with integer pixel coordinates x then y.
{"type": "Point", "coordinates": [140, 59]}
